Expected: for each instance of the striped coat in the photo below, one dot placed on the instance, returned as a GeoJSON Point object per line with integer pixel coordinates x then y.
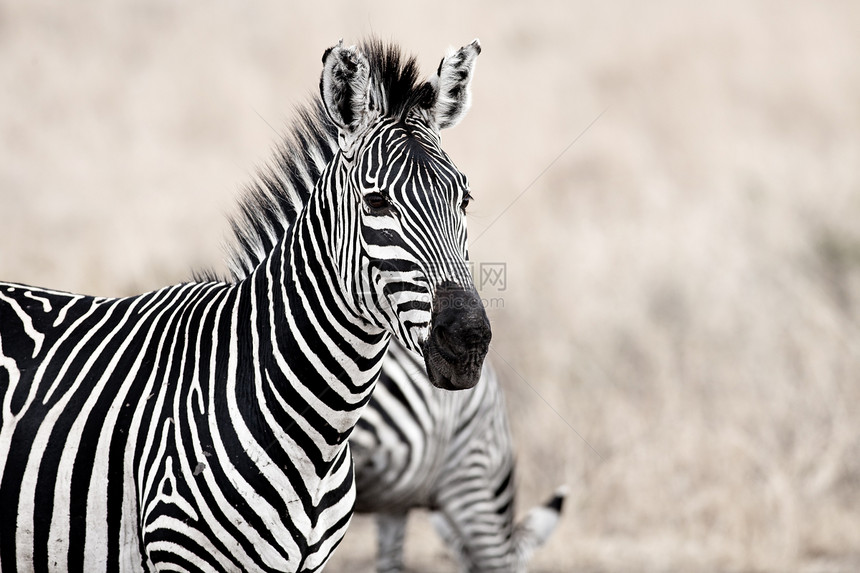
{"type": "Point", "coordinates": [203, 426]}
{"type": "Point", "coordinates": [416, 446]}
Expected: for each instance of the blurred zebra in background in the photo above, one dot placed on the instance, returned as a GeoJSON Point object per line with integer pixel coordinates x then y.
{"type": "Point", "coordinates": [451, 452]}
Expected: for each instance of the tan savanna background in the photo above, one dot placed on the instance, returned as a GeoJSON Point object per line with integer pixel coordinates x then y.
{"type": "Point", "coordinates": [674, 188]}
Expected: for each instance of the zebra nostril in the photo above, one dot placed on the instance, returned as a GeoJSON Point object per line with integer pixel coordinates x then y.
{"type": "Point", "coordinates": [450, 343]}
{"type": "Point", "coordinates": [458, 342]}
{"type": "Point", "coordinates": [477, 334]}
{"type": "Point", "coordinates": [442, 337]}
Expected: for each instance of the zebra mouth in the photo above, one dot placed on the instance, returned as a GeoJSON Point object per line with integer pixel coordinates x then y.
{"type": "Point", "coordinates": [459, 338]}
{"type": "Point", "coordinates": [459, 374]}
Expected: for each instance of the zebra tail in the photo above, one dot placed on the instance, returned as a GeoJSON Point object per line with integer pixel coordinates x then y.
{"type": "Point", "coordinates": [538, 524]}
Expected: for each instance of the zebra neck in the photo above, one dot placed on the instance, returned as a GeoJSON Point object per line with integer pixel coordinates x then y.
{"type": "Point", "coordinates": [320, 360]}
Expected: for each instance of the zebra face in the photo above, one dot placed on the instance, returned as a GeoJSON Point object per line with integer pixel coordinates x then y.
{"type": "Point", "coordinates": [402, 205]}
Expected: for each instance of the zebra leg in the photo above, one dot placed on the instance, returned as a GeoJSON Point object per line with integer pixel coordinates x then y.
{"type": "Point", "coordinates": [452, 539]}
{"type": "Point", "coordinates": [391, 530]}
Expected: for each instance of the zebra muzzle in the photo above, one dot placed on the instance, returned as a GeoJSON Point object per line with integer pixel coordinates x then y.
{"type": "Point", "coordinates": [459, 338]}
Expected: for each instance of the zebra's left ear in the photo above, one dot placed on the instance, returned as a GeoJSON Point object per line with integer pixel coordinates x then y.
{"type": "Point", "coordinates": [452, 86]}
{"type": "Point", "coordinates": [345, 90]}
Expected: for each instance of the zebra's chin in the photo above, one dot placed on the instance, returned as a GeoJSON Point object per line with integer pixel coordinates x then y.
{"type": "Point", "coordinates": [462, 374]}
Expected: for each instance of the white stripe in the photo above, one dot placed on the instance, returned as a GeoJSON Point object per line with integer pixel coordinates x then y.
{"type": "Point", "coordinates": [27, 322]}
{"type": "Point", "coordinates": [46, 304]}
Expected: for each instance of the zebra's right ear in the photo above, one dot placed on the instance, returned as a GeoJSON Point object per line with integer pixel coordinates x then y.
{"type": "Point", "coordinates": [452, 86]}
{"type": "Point", "coordinates": [345, 91]}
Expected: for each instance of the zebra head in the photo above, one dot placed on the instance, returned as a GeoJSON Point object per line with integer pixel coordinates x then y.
{"type": "Point", "coordinates": [400, 230]}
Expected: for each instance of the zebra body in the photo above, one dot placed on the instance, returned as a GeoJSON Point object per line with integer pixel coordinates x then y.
{"type": "Point", "coordinates": [203, 426]}
{"type": "Point", "coordinates": [417, 446]}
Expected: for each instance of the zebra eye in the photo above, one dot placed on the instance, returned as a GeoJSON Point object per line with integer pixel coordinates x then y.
{"type": "Point", "coordinates": [376, 201]}
{"type": "Point", "coordinates": [467, 198]}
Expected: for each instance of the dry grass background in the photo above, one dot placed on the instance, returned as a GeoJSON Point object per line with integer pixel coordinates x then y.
{"type": "Point", "coordinates": [680, 324]}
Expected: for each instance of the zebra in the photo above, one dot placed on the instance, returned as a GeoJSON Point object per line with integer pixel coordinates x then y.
{"type": "Point", "coordinates": [203, 426]}
{"type": "Point", "coordinates": [416, 446]}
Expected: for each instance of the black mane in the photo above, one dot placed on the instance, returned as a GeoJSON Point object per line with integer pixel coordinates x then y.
{"type": "Point", "coordinates": [271, 203]}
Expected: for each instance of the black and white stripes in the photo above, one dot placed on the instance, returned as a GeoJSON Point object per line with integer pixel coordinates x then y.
{"type": "Point", "coordinates": [203, 427]}
{"type": "Point", "coordinates": [417, 446]}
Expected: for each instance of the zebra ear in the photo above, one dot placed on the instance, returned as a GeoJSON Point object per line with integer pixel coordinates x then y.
{"type": "Point", "coordinates": [345, 91]}
{"type": "Point", "coordinates": [452, 86]}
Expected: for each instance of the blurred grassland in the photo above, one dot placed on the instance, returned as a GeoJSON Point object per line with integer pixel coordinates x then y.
{"type": "Point", "coordinates": [679, 330]}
